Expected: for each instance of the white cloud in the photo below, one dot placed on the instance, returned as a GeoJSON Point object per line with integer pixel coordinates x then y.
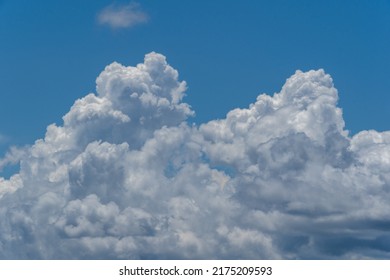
{"type": "Point", "coordinates": [126, 177]}
{"type": "Point", "coordinates": [122, 16]}
{"type": "Point", "coordinates": [12, 157]}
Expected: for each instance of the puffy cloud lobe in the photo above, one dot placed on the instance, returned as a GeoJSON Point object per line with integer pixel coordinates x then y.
{"type": "Point", "coordinates": [126, 177]}
{"type": "Point", "coordinates": [13, 156]}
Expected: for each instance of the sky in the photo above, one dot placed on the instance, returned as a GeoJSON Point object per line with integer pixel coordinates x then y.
{"type": "Point", "coordinates": [250, 47]}
{"type": "Point", "coordinates": [225, 129]}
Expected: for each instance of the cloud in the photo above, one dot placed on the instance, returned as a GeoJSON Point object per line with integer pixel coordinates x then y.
{"type": "Point", "coordinates": [3, 139]}
{"type": "Point", "coordinates": [13, 156]}
{"type": "Point", "coordinates": [127, 177]}
{"type": "Point", "coordinates": [122, 16]}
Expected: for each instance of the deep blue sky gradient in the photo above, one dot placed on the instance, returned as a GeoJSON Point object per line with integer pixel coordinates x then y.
{"type": "Point", "coordinates": [228, 52]}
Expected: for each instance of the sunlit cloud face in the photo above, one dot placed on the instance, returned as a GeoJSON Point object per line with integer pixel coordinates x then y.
{"type": "Point", "coordinates": [122, 16]}
{"type": "Point", "coordinates": [125, 176]}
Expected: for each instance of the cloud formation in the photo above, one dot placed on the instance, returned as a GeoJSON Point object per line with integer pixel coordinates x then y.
{"type": "Point", "coordinates": [125, 176]}
{"type": "Point", "coordinates": [122, 16]}
{"type": "Point", "coordinates": [3, 139]}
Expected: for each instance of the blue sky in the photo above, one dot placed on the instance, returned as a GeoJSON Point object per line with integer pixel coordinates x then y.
{"type": "Point", "coordinates": [106, 160]}
{"type": "Point", "coordinates": [227, 51]}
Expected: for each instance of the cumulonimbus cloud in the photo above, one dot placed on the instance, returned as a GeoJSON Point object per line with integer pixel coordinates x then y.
{"type": "Point", "coordinates": [122, 16]}
{"type": "Point", "coordinates": [125, 176]}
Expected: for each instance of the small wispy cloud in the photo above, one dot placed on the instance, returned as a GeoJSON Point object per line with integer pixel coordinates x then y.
{"type": "Point", "coordinates": [122, 16]}
{"type": "Point", "coordinates": [3, 138]}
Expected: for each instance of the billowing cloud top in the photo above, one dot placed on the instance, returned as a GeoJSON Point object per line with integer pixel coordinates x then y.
{"type": "Point", "coordinates": [126, 177]}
